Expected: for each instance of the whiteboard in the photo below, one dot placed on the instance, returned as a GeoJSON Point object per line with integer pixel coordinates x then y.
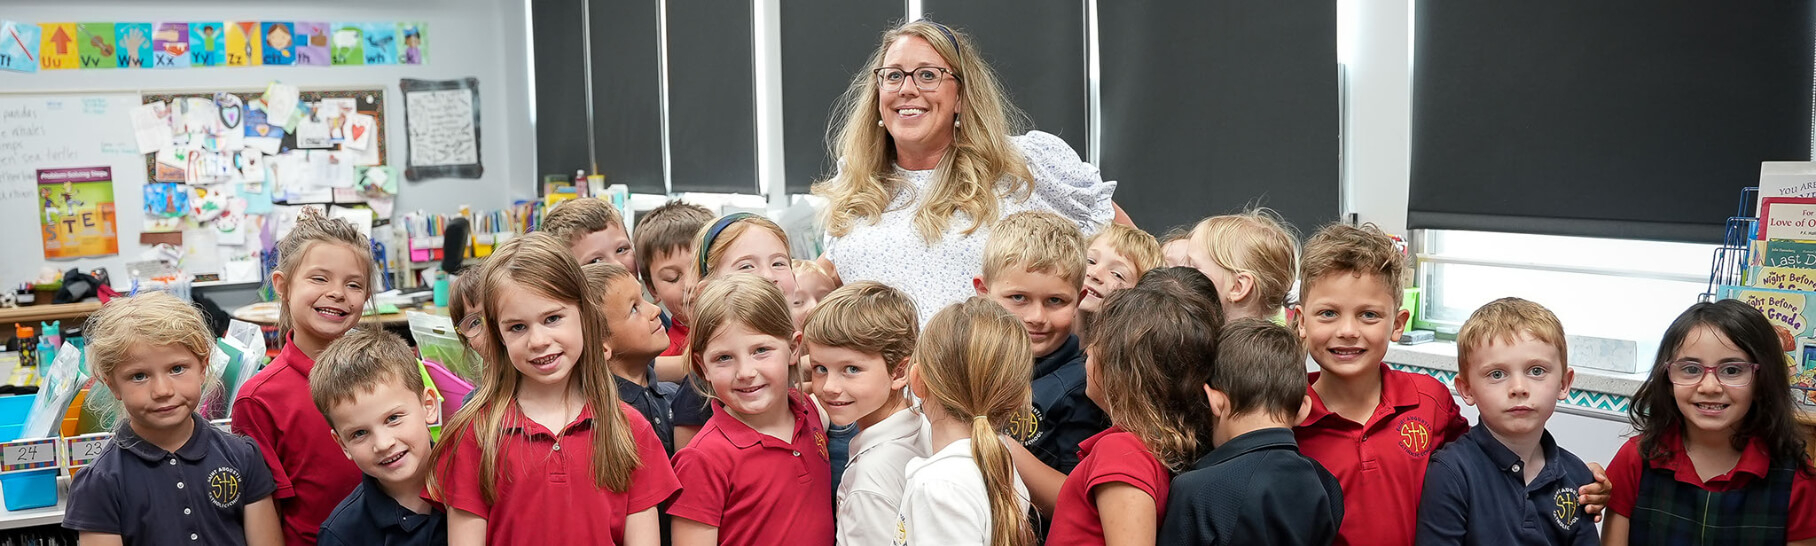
{"type": "Point", "coordinates": [43, 131]}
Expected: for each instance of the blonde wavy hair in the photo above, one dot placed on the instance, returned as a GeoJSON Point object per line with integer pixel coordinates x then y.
{"type": "Point", "coordinates": [156, 319]}
{"type": "Point", "coordinates": [1037, 241]}
{"type": "Point", "coordinates": [975, 360]}
{"type": "Point", "coordinates": [541, 264]}
{"type": "Point", "coordinates": [1258, 242]}
{"type": "Point", "coordinates": [1139, 247]}
{"type": "Point", "coordinates": [979, 168]}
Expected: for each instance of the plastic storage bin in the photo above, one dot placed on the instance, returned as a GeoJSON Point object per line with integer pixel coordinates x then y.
{"type": "Point", "coordinates": [29, 489]}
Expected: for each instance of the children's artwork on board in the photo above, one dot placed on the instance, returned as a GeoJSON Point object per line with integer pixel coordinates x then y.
{"type": "Point", "coordinates": [258, 126]}
{"type": "Point", "coordinates": [170, 46]}
{"type": "Point", "coordinates": [414, 45]}
{"type": "Point", "coordinates": [232, 110]}
{"type": "Point", "coordinates": [349, 44]}
{"type": "Point", "coordinates": [312, 44]}
{"type": "Point", "coordinates": [132, 45]}
{"type": "Point", "coordinates": [166, 200]}
{"type": "Point", "coordinates": [358, 130]}
{"type": "Point", "coordinates": [207, 44]}
{"type": "Point", "coordinates": [57, 50]}
{"type": "Point", "coordinates": [381, 42]}
{"type": "Point", "coordinates": [77, 212]}
{"type": "Point", "coordinates": [280, 43]}
{"type": "Point", "coordinates": [95, 45]}
{"type": "Point", "coordinates": [243, 43]}
{"type": "Point", "coordinates": [19, 46]}
{"type": "Point", "coordinates": [151, 126]}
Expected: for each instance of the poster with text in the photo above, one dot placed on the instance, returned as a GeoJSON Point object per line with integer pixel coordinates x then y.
{"type": "Point", "coordinates": [76, 210]}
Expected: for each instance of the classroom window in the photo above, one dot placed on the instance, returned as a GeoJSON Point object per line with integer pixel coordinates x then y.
{"type": "Point", "coordinates": [1611, 288]}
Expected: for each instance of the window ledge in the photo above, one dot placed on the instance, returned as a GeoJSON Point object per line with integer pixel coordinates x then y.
{"type": "Point", "coordinates": [1595, 389]}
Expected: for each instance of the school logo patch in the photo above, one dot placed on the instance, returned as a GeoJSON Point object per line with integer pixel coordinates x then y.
{"type": "Point", "coordinates": [224, 487]}
{"type": "Point", "coordinates": [1415, 436]}
{"type": "Point", "coordinates": [819, 439]}
{"type": "Point", "coordinates": [1564, 514]}
{"type": "Point", "coordinates": [1024, 427]}
{"type": "Point", "coordinates": [901, 530]}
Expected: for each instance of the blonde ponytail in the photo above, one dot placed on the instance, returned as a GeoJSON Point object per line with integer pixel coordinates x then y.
{"type": "Point", "coordinates": [975, 361]}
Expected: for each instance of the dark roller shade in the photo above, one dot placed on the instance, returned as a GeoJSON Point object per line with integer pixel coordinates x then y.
{"type": "Point", "coordinates": [1215, 105]}
{"type": "Point", "coordinates": [561, 143]}
{"type": "Point", "coordinates": [712, 119]}
{"type": "Point", "coordinates": [627, 93]}
{"type": "Point", "coordinates": [1037, 48]}
{"type": "Point", "coordinates": [824, 43]}
{"type": "Point", "coordinates": [1613, 118]}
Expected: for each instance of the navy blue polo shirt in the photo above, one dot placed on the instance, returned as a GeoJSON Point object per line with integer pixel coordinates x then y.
{"type": "Point", "coordinates": [196, 495]}
{"type": "Point", "coordinates": [655, 401]}
{"type": "Point", "coordinates": [691, 407]}
{"type": "Point", "coordinates": [1254, 489]}
{"type": "Point", "coordinates": [1476, 493]}
{"type": "Point", "coordinates": [1062, 416]}
{"type": "Point", "coordinates": [369, 516]}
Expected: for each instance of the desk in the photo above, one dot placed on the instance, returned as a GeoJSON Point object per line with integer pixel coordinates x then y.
{"type": "Point", "coordinates": [265, 314]}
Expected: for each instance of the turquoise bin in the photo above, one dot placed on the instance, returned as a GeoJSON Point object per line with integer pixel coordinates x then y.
{"type": "Point", "coordinates": [30, 489]}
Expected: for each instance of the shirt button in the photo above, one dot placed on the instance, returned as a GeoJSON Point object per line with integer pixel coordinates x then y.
{"type": "Point", "coordinates": [1516, 467]}
{"type": "Point", "coordinates": [179, 485]}
{"type": "Point", "coordinates": [173, 461]}
{"type": "Point", "coordinates": [192, 536]}
{"type": "Point", "coordinates": [185, 511]}
{"type": "Point", "coordinates": [797, 454]}
{"type": "Point", "coordinates": [557, 447]}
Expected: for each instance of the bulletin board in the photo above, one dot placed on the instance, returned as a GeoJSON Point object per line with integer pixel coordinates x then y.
{"type": "Point", "coordinates": [66, 131]}
{"type": "Point", "coordinates": [367, 101]}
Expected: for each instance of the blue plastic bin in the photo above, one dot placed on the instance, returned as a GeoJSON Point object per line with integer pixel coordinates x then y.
{"type": "Point", "coordinates": [23, 490]}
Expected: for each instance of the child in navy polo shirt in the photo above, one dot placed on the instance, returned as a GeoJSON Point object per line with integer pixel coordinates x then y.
{"type": "Point", "coordinates": [168, 477]}
{"type": "Point", "coordinates": [1506, 481]}
{"type": "Point", "coordinates": [1373, 427]}
{"type": "Point", "coordinates": [369, 387]}
{"type": "Point", "coordinates": [1255, 487]}
{"type": "Point", "coordinates": [1034, 266]}
{"type": "Point", "coordinates": [637, 336]}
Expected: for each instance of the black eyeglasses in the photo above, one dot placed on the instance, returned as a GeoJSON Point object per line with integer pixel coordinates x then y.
{"type": "Point", "coordinates": [926, 78]}
{"type": "Point", "coordinates": [1733, 374]}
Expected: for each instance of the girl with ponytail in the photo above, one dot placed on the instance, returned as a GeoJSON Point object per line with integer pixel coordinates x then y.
{"type": "Point", "coordinates": [971, 372]}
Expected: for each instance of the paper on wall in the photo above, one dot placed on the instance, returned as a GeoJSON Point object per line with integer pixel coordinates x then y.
{"type": "Point", "coordinates": [280, 101]}
{"type": "Point", "coordinates": [312, 133]}
{"type": "Point", "coordinates": [361, 218]}
{"type": "Point", "coordinates": [359, 132]}
{"type": "Point", "coordinates": [151, 126]}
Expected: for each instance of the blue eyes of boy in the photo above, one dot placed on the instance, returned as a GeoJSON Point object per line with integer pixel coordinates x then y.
{"type": "Point", "coordinates": [1534, 372]}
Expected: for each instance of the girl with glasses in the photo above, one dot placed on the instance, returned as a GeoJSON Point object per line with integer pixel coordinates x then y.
{"type": "Point", "coordinates": [1719, 457]}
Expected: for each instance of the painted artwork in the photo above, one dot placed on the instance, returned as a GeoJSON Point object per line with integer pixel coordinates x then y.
{"type": "Point", "coordinates": [132, 45]}
{"type": "Point", "coordinates": [207, 44]}
{"type": "Point", "coordinates": [258, 126]}
{"type": "Point", "coordinates": [381, 42]}
{"type": "Point", "coordinates": [279, 43]}
{"type": "Point", "coordinates": [243, 43]}
{"type": "Point", "coordinates": [57, 47]}
{"type": "Point", "coordinates": [166, 200]}
{"type": "Point", "coordinates": [349, 44]}
{"type": "Point", "coordinates": [312, 44]}
{"type": "Point", "coordinates": [18, 46]}
{"type": "Point", "coordinates": [95, 45]}
{"type": "Point", "coordinates": [76, 212]}
{"type": "Point", "coordinates": [170, 46]}
{"type": "Point", "coordinates": [414, 47]}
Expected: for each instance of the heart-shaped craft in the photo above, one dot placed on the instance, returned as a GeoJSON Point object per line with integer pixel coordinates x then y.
{"type": "Point", "coordinates": [232, 110]}
{"type": "Point", "coordinates": [359, 130]}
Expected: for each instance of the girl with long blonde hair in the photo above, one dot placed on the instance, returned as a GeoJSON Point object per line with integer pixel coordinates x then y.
{"type": "Point", "coordinates": [548, 404]}
{"type": "Point", "coordinates": [971, 370]}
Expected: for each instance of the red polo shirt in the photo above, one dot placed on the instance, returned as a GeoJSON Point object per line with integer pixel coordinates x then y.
{"type": "Point", "coordinates": [544, 482]}
{"type": "Point", "coordinates": [1381, 464]}
{"type": "Point", "coordinates": [756, 488]}
{"type": "Point", "coordinates": [312, 474]}
{"type": "Point", "coordinates": [1112, 456]}
{"type": "Point", "coordinates": [677, 338]}
{"type": "Point", "coordinates": [1755, 462]}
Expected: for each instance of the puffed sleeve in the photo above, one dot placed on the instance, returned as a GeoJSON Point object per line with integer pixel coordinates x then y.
{"type": "Point", "coordinates": [1066, 184]}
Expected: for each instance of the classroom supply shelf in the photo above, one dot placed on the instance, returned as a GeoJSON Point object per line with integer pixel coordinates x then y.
{"type": "Point", "coordinates": [45, 313]}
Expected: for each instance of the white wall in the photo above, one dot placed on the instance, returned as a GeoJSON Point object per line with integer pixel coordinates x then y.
{"type": "Point", "coordinates": [1374, 43]}
{"type": "Point", "coordinates": [477, 38]}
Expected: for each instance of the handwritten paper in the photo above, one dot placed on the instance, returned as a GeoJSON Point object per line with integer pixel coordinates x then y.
{"type": "Point", "coordinates": [151, 126]}
{"type": "Point", "coordinates": [442, 123]}
{"type": "Point", "coordinates": [280, 102]}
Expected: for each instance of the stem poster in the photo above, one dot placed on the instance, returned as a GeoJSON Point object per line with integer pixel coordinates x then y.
{"type": "Point", "coordinates": [76, 209]}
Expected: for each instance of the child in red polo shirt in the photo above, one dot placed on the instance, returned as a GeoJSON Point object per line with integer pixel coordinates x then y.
{"type": "Point", "coordinates": [322, 280]}
{"type": "Point", "coordinates": [759, 472]}
{"type": "Point", "coordinates": [1372, 427]}
{"type": "Point", "coordinates": [545, 453]}
{"type": "Point", "coordinates": [1145, 360]}
{"type": "Point", "coordinates": [1718, 456]}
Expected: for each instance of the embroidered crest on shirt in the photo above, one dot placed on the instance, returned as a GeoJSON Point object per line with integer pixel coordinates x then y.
{"type": "Point", "coordinates": [819, 439]}
{"type": "Point", "coordinates": [1024, 427]}
{"type": "Point", "coordinates": [224, 487]}
{"type": "Point", "coordinates": [1415, 436]}
{"type": "Point", "coordinates": [901, 530]}
{"type": "Point", "coordinates": [1565, 512]}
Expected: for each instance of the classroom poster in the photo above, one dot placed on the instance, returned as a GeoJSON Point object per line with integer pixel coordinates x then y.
{"type": "Point", "coordinates": [312, 43]}
{"type": "Point", "coordinates": [279, 43]}
{"type": "Point", "coordinates": [381, 42]}
{"type": "Point", "coordinates": [414, 47]}
{"type": "Point", "coordinates": [95, 45]}
{"type": "Point", "coordinates": [207, 44]}
{"type": "Point", "coordinates": [77, 212]}
{"type": "Point", "coordinates": [132, 45]}
{"type": "Point", "coordinates": [18, 46]}
{"type": "Point", "coordinates": [349, 45]}
{"type": "Point", "coordinates": [243, 43]}
{"type": "Point", "coordinates": [57, 50]}
{"type": "Point", "coordinates": [170, 46]}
